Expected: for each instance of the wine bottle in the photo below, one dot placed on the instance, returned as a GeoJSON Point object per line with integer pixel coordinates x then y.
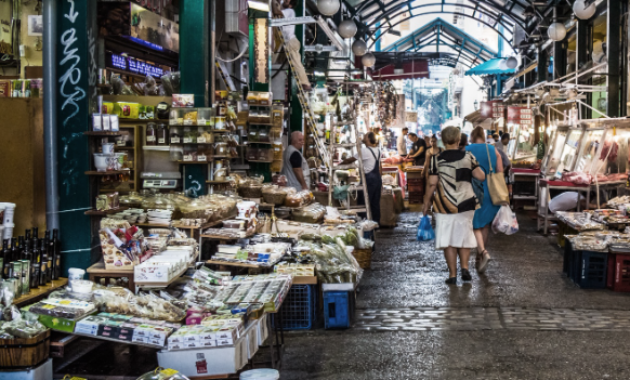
{"type": "Point", "coordinates": [34, 279]}
{"type": "Point", "coordinates": [2, 259]}
{"type": "Point", "coordinates": [7, 258]}
{"type": "Point", "coordinates": [20, 254]}
{"type": "Point", "coordinates": [56, 255]}
{"type": "Point", "coordinates": [35, 233]}
{"type": "Point", "coordinates": [43, 265]}
{"type": "Point", "coordinates": [15, 255]}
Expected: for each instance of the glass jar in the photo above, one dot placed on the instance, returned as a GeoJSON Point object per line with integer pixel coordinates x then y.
{"type": "Point", "coordinates": [176, 153]}
{"type": "Point", "coordinates": [219, 123]}
{"type": "Point", "coordinates": [162, 134]}
{"type": "Point", "coordinates": [151, 134]}
{"type": "Point", "coordinates": [220, 149]}
{"type": "Point", "coordinates": [190, 136]}
{"type": "Point", "coordinates": [277, 150]}
{"type": "Point", "coordinates": [176, 137]}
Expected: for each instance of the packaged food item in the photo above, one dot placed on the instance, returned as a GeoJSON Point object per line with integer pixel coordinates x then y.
{"type": "Point", "coordinates": [183, 100]}
{"type": "Point", "coordinates": [299, 199]}
{"type": "Point", "coordinates": [127, 110]}
{"type": "Point", "coordinates": [313, 213]}
{"type": "Point", "coordinates": [276, 195]}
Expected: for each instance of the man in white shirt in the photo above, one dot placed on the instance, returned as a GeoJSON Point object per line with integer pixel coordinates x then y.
{"type": "Point", "coordinates": [401, 143]}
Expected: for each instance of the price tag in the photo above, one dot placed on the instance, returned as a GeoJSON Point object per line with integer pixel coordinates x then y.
{"type": "Point", "coordinates": [175, 140]}
{"type": "Point", "coordinates": [187, 140]}
{"type": "Point", "coordinates": [189, 122]}
{"type": "Point", "coordinates": [121, 142]}
{"type": "Point", "coordinates": [173, 122]}
{"type": "Point", "coordinates": [201, 140]}
{"type": "Point", "coordinates": [202, 158]}
{"type": "Point", "coordinates": [150, 138]}
{"type": "Point", "coordinates": [162, 141]}
{"type": "Point", "coordinates": [188, 157]}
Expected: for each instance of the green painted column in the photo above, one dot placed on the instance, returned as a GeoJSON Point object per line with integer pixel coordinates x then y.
{"type": "Point", "coordinates": [76, 92]}
{"type": "Point", "coordinates": [296, 119]}
{"type": "Point", "coordinates": [194, 45]}
{"type": "Point", "coordinates": [194, 53]}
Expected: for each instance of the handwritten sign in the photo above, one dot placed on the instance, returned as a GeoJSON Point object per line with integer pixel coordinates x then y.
{"type": "Point", "coordinates": [411, 116]}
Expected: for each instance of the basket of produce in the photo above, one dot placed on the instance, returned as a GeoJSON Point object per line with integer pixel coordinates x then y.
{"type": "Point", "coordinates": [24, 352]}
{"type": "Point", "coordinates": [363, 256]}
{"type": "Point", "coordinates": [250, 187]}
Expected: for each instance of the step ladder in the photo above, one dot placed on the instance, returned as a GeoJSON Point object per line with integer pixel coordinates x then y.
{"type": "Point", "coordinates": [308, 113]}
{"type": "Point", "coordinates": [332, 168]}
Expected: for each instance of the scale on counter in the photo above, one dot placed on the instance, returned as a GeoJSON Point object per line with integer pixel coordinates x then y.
{"type": "Point", "coordinates": [160, 180]}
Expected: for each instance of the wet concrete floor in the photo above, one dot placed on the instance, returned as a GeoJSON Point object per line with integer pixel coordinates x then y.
{"type": "Point", "coordinates": [521, 320]}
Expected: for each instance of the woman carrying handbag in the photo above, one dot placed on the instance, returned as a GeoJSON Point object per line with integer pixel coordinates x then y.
{"type": "Point", "coordinates": [494, 193]}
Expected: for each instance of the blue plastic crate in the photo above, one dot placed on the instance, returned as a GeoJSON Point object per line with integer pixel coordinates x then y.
{"type": "Point", "coordinates": [591, 269]}
{"type": "Point", "coordinates": [298, 310]}
{"type": "Point", "coordinates": [338, 309]}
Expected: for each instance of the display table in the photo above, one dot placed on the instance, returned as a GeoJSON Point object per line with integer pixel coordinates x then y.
{"type": "Point", "coordinates": [544, 216]}
{"type": "Point", "coordinates": [122, 277]}
{"type": "Point", "coordinates": [520, 179]}
{"type": "Point", "coordinates": [39, 293]}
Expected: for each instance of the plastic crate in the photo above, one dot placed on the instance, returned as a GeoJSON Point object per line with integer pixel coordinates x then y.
{"type": "Point", "coordinates": [338, 309]}
{"type": "Point", "coordinates": [590, 269]}
{"type": "Point", "coordinates": [618, 272]}
{"type": "Point", "coordinates": [298, 310]}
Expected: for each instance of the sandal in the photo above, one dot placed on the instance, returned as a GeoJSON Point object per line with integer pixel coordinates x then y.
{"type": "Point", "coordinates": [483, 262]}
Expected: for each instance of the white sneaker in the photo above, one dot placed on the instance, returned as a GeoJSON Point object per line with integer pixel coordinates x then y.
{"type": "Point", "coordinates": [483, 263]}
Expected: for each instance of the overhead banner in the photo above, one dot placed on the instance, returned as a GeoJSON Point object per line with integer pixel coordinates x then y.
{"type": "Point", "coordinates": [520, 115]}
{"type": "Point", "coordinates": [486, 110]}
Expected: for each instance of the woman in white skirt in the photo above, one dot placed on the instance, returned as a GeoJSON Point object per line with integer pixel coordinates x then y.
{"type": "Point", "coordinates": [451, 173]}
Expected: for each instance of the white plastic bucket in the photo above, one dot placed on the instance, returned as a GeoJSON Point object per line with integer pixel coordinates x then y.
{"type": "Point", "coordinates": [2, 208]}
{"type": "Point", "coordinates": [7, 232]}
{"type": "Point", "coordinates": [260, 374]}
{"type": "Point", "coordinates": [75, 274]}
{"type": "Point", "coordinates": [9, 210]}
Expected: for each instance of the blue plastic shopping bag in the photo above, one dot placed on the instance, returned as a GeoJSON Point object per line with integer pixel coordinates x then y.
{"type": "Point", "coordinates": [425, 231]}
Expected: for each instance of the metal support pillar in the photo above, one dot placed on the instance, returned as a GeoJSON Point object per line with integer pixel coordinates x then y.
{"type": "Point", "coordinates": [194, 49]}
{"type": "Point", "coordinates": [613, 39]}
{"type": "Point", "coordinates": [542, 65]}
{"type": "Point", "coordinates": [559, 59]}
{"type": "Point", "coordinates": [196, 68]}
{"type": "Point", "coordinates": [582, 55]}
{"type": "Point", "coordinates": [296, 119]}
{"type": "Point", "coordinates": [74, 86]}
{"type": "Point", "coordinates": [50, 10]}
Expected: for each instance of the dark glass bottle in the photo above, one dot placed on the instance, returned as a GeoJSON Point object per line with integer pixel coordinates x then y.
{"type": "Point", "coordinates": [43, 265]}
{"type": "Point", "coordinates": [56, 255]}
{"type": "Point", "coordinates": [15, 255]}
{"type": "Point", "coordinates": [26, 253]}
{"type": "Point", "coordinates": [50, 255]}
{"type": "Point", "coordinates": [35, 233]}
{"type": "Point", "coordinates": [35, 264]}
{"type": "Point", "coordinates": [7, 258]}
{"type": "Point", "coordinates": [2, 259]}
{"type": "Point", "coordinates": [20, 248]}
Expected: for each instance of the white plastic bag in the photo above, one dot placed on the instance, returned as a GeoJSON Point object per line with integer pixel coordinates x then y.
{"type": "Point", "coordinates": [505, 221]}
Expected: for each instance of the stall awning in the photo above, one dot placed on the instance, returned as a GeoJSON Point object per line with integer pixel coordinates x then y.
{"type": "Point", "coordinates": [490, 67]}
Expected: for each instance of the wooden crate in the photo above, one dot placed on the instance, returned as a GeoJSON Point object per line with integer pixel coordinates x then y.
{"type": "Point", "coordinates": [24, 353]}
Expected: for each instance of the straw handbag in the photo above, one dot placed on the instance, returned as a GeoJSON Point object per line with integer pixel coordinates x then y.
{"type": "Point", "coordinates": [496, 185]}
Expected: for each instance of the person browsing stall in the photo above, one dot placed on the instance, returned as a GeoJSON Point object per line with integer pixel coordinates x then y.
{"type": "Point", "coordinates": [295, 167]}
{"type": "Point", "coordinates": [418, 149]}
{"type": "Point", "coordinates": [371, 155]}
{"type": "Point", "coordinates": [401, 143]}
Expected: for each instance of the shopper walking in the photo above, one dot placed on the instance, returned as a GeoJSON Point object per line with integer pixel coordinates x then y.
{"type": "Point", "coordinates": [484, 215]}
{"type": "Point", "coordinates": [450, 176]}
{"type": "Point", "coordinates": [371, 155]}
{"type": "Point", "coordinates": [433, 150]}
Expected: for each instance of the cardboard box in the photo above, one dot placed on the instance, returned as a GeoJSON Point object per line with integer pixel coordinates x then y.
{"type": "Point", "coordinates": [206, 361]}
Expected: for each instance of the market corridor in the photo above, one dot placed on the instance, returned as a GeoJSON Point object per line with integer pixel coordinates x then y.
{"type": "Point", "coordinates": [523, 320]}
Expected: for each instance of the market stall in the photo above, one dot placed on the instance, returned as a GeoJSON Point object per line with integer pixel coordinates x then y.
{"type": "Point", "coordinates": [590, 157]}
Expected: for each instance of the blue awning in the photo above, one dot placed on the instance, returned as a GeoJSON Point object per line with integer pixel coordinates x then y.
{"type": "Point", "coordinates": [490, 67]}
